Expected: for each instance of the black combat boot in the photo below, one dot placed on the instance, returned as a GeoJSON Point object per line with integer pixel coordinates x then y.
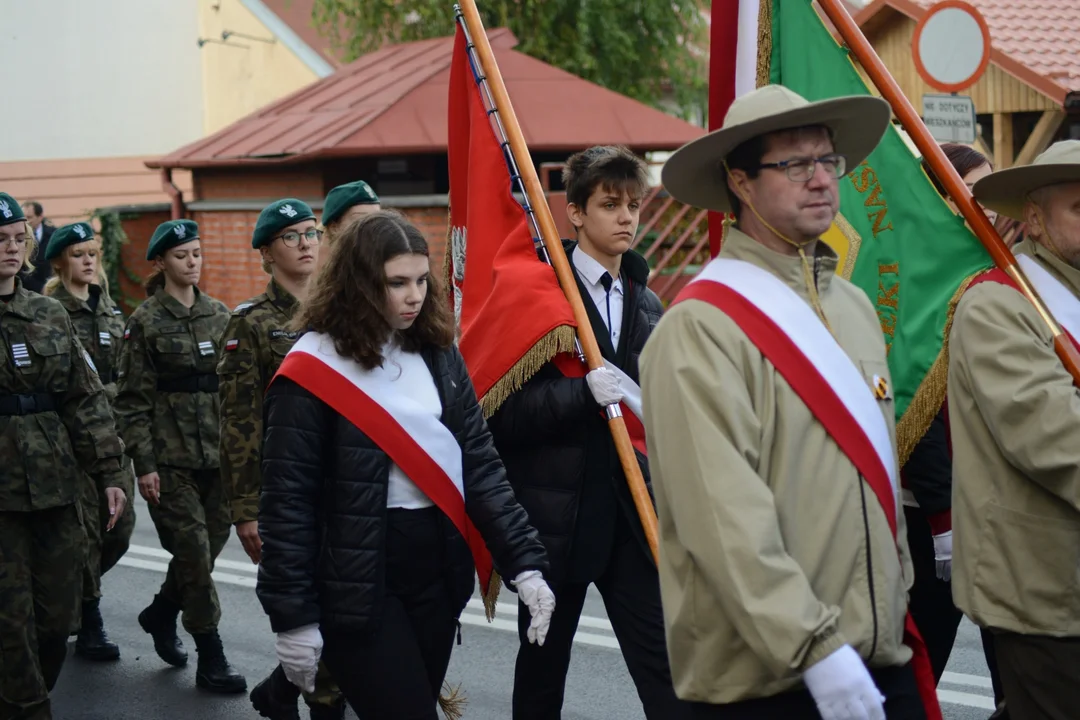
{"type": "Point", "coordinates": [92, 642]}
{"type": "Point", "coordinates": [275, 697]}
{"type": "Point", "coordinates": [214, 672]}
{"type": "Point", "coordinates": [159, 619]}
{"type": "Point", "coordinates": [321, 711]}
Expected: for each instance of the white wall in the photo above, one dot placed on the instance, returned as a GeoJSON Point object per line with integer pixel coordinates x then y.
{"type": "Point", "coordinates": [99, 78]}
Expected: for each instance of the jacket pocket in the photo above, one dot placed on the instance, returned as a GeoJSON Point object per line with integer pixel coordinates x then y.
{"type": "Point", "coordinates": [1029, 567]}
{"type": "Point", "coordinates": [48, 364]}
{"type": "Point", "coordinates": [173, 354]}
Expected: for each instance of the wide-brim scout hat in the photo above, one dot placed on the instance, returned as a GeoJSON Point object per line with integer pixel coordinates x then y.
{"type": "Point", "coordinates": [1007, 191]}
{"type": "Point", "coordinates": [695, 174]}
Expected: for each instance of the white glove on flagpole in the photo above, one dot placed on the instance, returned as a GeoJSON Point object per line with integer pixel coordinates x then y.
{"type": "Point", "coordinates": [843, 689]}
{"type": "Point", "coordinates": [299, 651]}
{"type": "Point", "coordinates": [604, 386]}
{"type": "Point", "coordinates": [538, 597]}
{"type": "Point", "coordinates": [943, 555]}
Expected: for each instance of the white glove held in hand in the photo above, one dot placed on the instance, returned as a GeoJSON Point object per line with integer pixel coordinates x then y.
{"type": "Point", "coordinates": [298, 651]}
{"type": "Point", "coordinates": [843, 689]}
{"type": "Point", "coordinates": [537, 596]}
{"type": "Point", "coordinates": [943, 555]}
{"type": "Point", "coordinates": [604, 386]}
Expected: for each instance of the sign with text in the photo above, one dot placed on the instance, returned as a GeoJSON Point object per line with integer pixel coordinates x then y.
{"type": "Point", "coordinates": [950, 118]}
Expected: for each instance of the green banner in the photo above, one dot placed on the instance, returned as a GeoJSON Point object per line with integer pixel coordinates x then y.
{"type": "Point", "coordinates": [901, 243]}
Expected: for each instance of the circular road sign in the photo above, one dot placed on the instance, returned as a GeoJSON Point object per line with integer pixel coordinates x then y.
{"type": "Point", "coordinates": [951, 46]}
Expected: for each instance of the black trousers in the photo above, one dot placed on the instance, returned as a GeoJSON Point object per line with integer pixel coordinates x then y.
{"type": "Point", "coordinates": [897, 684]}
{"type": "Point", "coordinates": [395, 671]}
{"type": "Point", "coordinates": [1040, 675]}
{"type": "Point", "coordinates": [631, 591]}
{"type": "Point", "coordinates": [930, 603]}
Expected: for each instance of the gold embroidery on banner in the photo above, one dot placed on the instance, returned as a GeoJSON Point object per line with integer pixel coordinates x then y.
{"type": "Point", "coordinates": [928, 398]}
{"type": "Point", "coordinates": [854, 244]}
{"type": "Point", "coordinates": [764, 43]}
{"type": "Point", "coordinates": [888, 301]}
{"type": "Point", "coordinates": [866, 180]}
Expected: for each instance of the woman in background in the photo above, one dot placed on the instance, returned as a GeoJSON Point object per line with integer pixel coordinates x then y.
{"type": "Point", "coordinates": [168, 409]}
{"type": "Point", "coordinates": [79, 283]}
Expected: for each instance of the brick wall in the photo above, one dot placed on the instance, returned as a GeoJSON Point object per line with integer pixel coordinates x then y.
{"type": "Point", "coordinates": [139, 227]}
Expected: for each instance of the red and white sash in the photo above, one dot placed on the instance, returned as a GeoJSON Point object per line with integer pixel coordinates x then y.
{"type": "Point", "coordinates": [1059, 299]}
{"type": "Point", "coordinates": [790, 335]}
{"type": "Point", "coordinates": [414, 439]}
{"type": "Point", "coordinates": [570, 366]}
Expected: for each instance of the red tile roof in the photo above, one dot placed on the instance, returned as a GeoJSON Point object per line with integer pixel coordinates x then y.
{"type": "Point", "coordinates": [394, 101]}
{"type": "Point", "coordinates": [1034, 40]}
{"type": "Point", "coordinates": [70, 190]}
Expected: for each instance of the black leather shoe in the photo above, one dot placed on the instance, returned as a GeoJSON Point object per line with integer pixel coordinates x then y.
{"type": "Point", "coordinates": [92, 642]}
{"type": "Point", "coordinates": [214, 674]}
{"type": "Point", "coordinates": [275, 697]}
{"type": "Point", "coordinates": [159, 620]}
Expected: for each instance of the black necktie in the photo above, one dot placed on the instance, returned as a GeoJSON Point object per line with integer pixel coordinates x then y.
{"type": "Point", "coordinates": [605, 280]}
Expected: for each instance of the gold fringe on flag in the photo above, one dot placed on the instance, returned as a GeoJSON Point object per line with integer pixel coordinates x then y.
{"type": "Point", "coordinates": [452, 702]}
{"type": "Point", "coordinates": [559, 340]}
{"type": "Point", "coordinates": [764, 43]}
{"type": "Point", "coordinates": [930, 395]}
{"type": "Point", "coordinates": [490, 595]}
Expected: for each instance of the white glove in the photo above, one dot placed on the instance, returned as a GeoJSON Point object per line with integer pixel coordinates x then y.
{"type": "Point", "coordinates": [943, 555]}
{"type": "Point", "coordinates": [604, 386]}
{"type": "Point", "coordinates": [298, 651]}
{"type": "Point", "coordinates": [843, 689]}
{"type": "Point", "coordinates": [538, 597]}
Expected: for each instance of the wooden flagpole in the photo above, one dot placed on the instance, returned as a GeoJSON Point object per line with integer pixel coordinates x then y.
{"type": "Point", "coordinates": [553, 242]}
{"type": "Point", "coordinates": [946, 173]}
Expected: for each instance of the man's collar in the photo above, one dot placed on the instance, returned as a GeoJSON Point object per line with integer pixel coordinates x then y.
{"type": "Point", "coordinates": [740, 246]}
{"type": "Point", "coordinates": [1058, 267]}
{"type": "Point", "coordinates": [590, 269]}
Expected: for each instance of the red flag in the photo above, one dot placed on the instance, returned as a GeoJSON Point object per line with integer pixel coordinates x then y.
{"type": "Point", "coordinates": [733, 35]}
{"type": "Point", "coordinates": [513, 314]}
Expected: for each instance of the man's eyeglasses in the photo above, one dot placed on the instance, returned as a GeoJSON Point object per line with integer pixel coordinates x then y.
{"type": "Point", "coordinates": [292, 238]}
{"type": "Point", "coordinates": [802, 169]}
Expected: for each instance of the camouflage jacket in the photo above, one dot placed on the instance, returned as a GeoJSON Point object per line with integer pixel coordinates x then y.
{"type": "Point", "coordinates": [45, 453]}
{"type": "Point", "coordinates": [168, 345]}
{"type": "Point", "coordinates": [100, 331]}
{"type": "Point", "coordinates": [255, 341]}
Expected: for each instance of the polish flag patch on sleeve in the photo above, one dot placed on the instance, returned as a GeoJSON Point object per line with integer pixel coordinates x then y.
{"type": "Point", "coordinates": [127, 333]}
{"type": "Point", "coordinates": [232, 344]}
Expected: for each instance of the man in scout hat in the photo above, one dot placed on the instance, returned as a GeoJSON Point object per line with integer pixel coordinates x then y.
{"type": "Point", "coordinates": [1015, 423]}
{"type": "Point", "coordinates": [769, 413]}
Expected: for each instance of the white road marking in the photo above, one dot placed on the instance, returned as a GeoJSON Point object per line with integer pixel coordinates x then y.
{"type": "Point", "coordinates": [506, 619]}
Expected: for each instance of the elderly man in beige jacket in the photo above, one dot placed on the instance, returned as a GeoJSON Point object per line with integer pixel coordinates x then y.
{"type": "Point", "coordinates": [1015, 421]}
{"type": "Point", "coordinates": [769, 414]}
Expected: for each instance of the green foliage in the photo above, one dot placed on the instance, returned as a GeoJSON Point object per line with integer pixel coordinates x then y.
{"type": "Point", "coordinates": [112, 238]}
{"type": "Point", "coordinates": [634, 47]}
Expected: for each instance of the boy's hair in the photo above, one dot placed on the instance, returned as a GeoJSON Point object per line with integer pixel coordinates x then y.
{"type": "Point", "coordinates": [611, 167]}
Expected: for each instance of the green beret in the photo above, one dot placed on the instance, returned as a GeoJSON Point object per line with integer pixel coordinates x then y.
{"type": "Point", "coordinates": [344, 197]}
{"type": "Point", "coordinates": [73, 234]}
{"type": "Point", "coordinates": [10, 211]}
{"type": "Point", "coordinates": [169, 235]}
{"type": "Point", "coordinates": [277, 216]}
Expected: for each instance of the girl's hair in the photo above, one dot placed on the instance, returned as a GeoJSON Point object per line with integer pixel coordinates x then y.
{"type": "Point", "coordinates": [349, 297]}
{"type": "Point", "coordinates": [963, 158]}
{"type": "Point", "coordinates": [31, 244]}
{"type": "Point", "coordinates": [155, 281]}
{"type": "Point", "coordinates": [57, 264]}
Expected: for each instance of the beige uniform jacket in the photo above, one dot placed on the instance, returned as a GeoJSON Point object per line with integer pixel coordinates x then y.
{"type": "Point", "coordinates": [1014, 414]}
{"type": "Point", "coordinates": [773, 551]}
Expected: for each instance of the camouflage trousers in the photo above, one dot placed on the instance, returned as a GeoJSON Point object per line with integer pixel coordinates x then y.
{"type": "Point", "coordinates": [192, 522]}
{"type": "Point", "coordinates": [41, 557]}
{"type": "Point", "coordinates": [103, 548]}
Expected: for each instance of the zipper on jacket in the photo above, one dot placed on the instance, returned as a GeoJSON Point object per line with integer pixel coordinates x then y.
{"type": "Point", "coordinates": [869, 567]}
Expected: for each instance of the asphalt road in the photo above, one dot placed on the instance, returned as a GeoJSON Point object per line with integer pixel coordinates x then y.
{"type": "Point", "coordinates": [141, 687]}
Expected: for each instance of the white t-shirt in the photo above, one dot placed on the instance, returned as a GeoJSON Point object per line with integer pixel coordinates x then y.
{"type": "Point", "coordinates": [415, 382]}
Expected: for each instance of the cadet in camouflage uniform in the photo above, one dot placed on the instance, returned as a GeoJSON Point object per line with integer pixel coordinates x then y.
{"type": "Point", "coordinates": [55, 427]}
{"type": "Point", "coordinates": [255, 342]}
{"type": "Point", "coordinates": [78, 283]}
{"type": "Point", "coordinates": [343, 205]}
{"type": "Point", "coordinates": [168, 409]}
